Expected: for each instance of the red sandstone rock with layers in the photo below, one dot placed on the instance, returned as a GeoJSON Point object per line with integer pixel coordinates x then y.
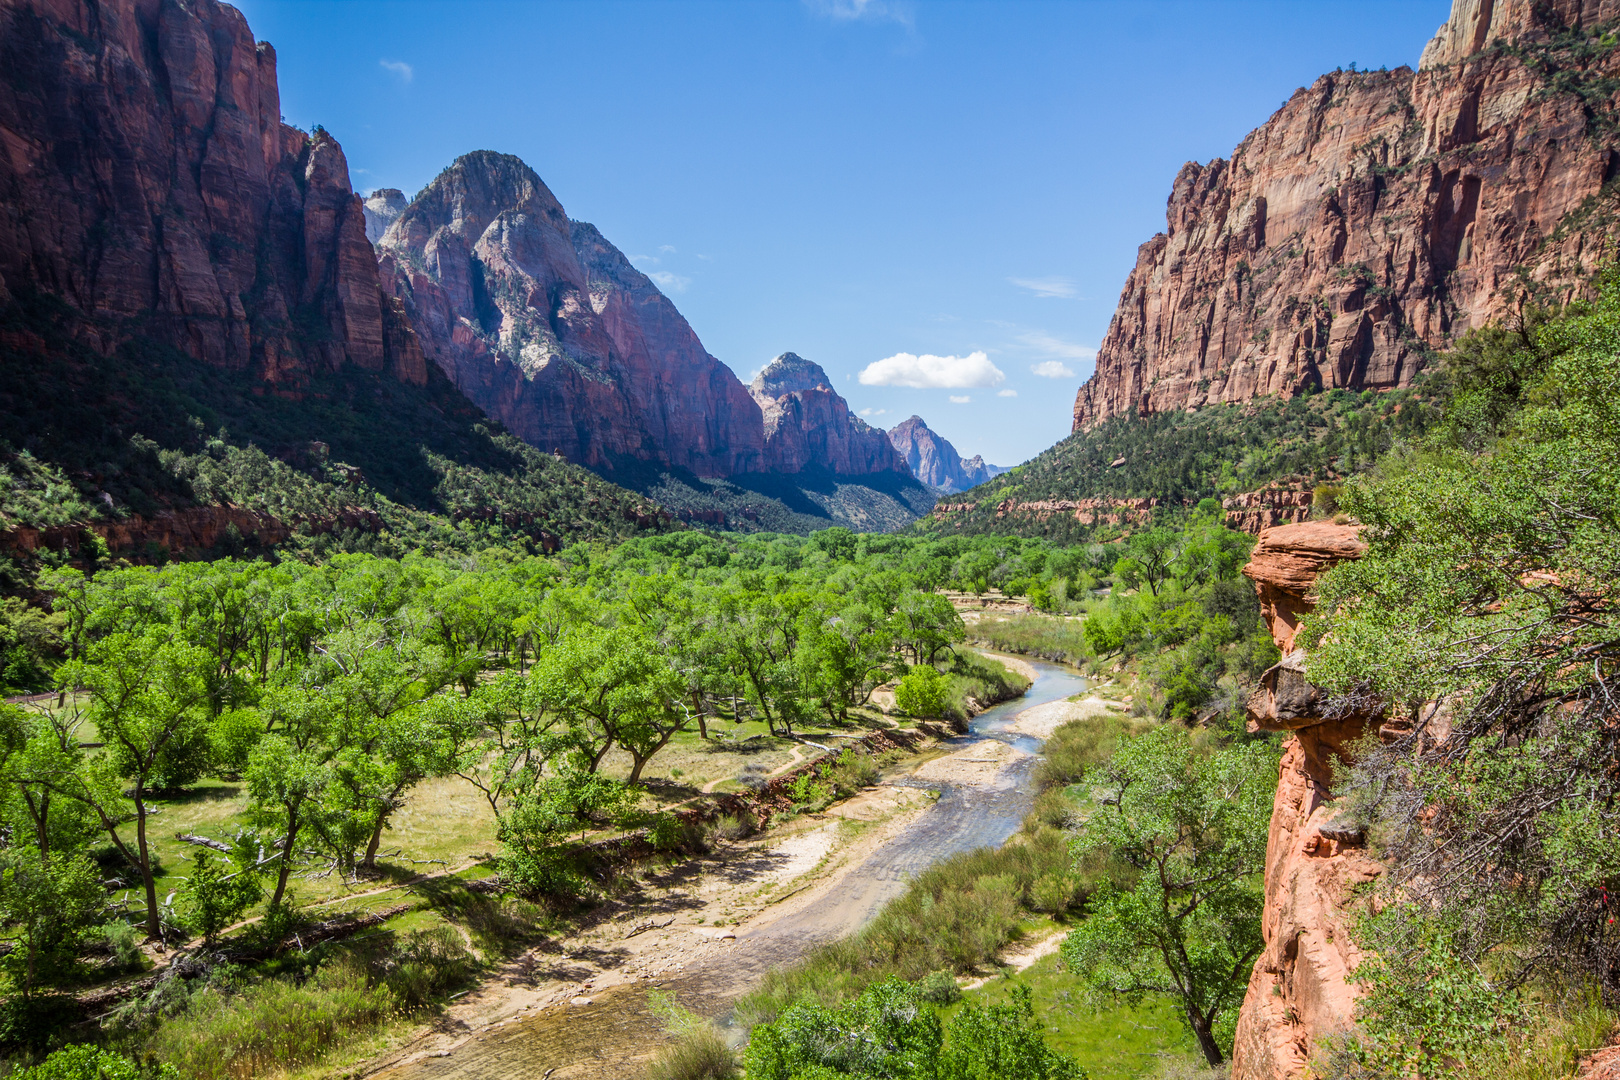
{"type": "Point", "coordinates": [1374, 216]}
{"type": "Point", "coordinates": [549, 329]}
{"type": "Point", "coordinates": [149, 182]}
{"type": "Point", "coordinates": [1298, 992]}
{"type": "Point", "coordinates": [807, 423]}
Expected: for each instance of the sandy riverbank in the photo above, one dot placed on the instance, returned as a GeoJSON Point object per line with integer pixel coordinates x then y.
{"type": "Point", "coordinates": [1042, 720]}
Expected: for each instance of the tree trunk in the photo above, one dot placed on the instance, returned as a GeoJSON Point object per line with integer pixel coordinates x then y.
{"type": "Point", "coordinates": [154, 926]}
{"type": "Point", "coordinates": [697, 707]}
{"type": "Point", "coordinates": [370, 861]}
{"type": "Point", "coordinates": [286, 857]}
{"type": "Point", "coordinates": [1202, 1031]}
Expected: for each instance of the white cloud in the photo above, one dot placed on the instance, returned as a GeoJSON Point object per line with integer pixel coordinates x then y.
{"type": "Point", "coordinates": [650, 260]}
{"type": "Point", "coordinates": [1047, 345]}
{"type": "Point", "coordinates": [666, 249]}
{"type": "Point", "coordinates": [873, 412]}
{"type": "Point", "coordinates": [1046, 287]}
{"type": "Point", "coordinates": [672, 282]}
{"type": "Point", "coordinates": [928, 372]}
{"type": "Point", "coordinates": [1052, 369]}
{"type": "Point", "coordinates": [1009, 392]}
{"type": "Point", "coordinates": [863, 11]}
{"type": "Point", "coordinates": [960, 399]}
{"type": "Point", "coordinates": [400, 68]}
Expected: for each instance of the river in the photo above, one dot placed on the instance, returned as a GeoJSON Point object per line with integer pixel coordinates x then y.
{"type": "Point", "coordinates": [606, 1040]}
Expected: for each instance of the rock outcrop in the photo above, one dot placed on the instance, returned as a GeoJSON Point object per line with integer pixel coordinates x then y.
{"type": "Point", "coordinates": [549, 329]}
{"type": "Point", "coordinates": [149, 182]}
{"type": "Point", "coordinates": [383, 208]}
{"type": "Point", "coordinates": [808, 424]}
{"type": "Point", "coordinates": [934, 461]}
{"type": "Point", "coordinates": [1298, 991]}
{"type": "Point", "coordinates": [1377, 215]}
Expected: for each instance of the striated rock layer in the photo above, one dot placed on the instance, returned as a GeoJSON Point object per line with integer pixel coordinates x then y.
{"type": "Point", "coordinates": [148, 181]}
{"type": "Point", "coordinates": [1298, 991]}
{"type": "Point", "coordinates": [808, 423]}
{"type": "Point", "coordinates": [548, 328]}
{"type": "Point", "coordinates": [1375, 216]}
{"type": "Point", "coordinates": [933, 460]}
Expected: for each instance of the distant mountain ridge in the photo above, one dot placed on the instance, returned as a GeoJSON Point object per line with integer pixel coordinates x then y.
{"type": "Point", "coordinates": [934, 461]}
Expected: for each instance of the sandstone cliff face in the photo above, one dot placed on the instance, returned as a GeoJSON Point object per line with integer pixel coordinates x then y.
{"type": "Point", "coordinates": [807, 423]}
{"type": "Point", "coordinates": [934, 461]}
{"type": "Point", "coordinates": [1374, 216]}
{"type": "Point", "coordinates": [1298, 990]}
{"type": "Point", "coordinates": [547, 327]}
{"type": "Point", "coordinates": [148, 181]}
{"type": "Point", "coordinates": [382, 209]}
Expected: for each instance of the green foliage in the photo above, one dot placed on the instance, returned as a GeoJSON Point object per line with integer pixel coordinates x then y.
{"type": "Point", "coordinates": [1483, 619]}
{"type": "Point", "coordinates": [52, 905]}
{"type": "Point", "coordinates": [1182, 457]}
{"type": "Point", "coordinates": [922, 692]}
{"type": "Point", "coordinates": [1193, 826]}
{"type": "Point", "coordinates": [890, 1032]}
{"type": "Point", "coordinates": [1078, 746]}
{"type": "Point", "coordinates": [86, 1062]}
{"type": "Point", "coordinates": [218, 893]}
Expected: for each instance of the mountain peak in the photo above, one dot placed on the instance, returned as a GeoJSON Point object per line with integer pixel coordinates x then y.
{"type": "Point", "coordinates": [790, 373]}
{"type": "Point", "coordinates": [933, 459]}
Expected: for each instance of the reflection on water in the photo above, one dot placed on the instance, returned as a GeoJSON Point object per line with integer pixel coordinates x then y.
{"type": "Point", "coordinates": [609, 1038]}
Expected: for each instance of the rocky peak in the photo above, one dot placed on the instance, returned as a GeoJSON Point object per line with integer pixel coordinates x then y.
{"type": "Point", "coordinates": [1474, 24]}
{"type": "Point", "coordinates": [934, 461]}
{"type": "Point", "coordinates": [383, 208]}
{"type": "Point", "coordinates": [1374, 218]}
{"type": "Point", "coordinates": [546, 326]}
{"type": "Point", "coordinates": [788, 374]}
{"type": "Point", "coordinates": [808, 423]}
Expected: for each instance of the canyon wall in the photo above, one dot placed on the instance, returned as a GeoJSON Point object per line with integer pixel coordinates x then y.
{"type": "Point", "coordinates": [149, 182]}
{"type": "Point", "coordinates": [807, 423]}
{"type": "Point", "coordinates": [934, 461]}
{"type": "Point", "coordinates": [1298, 991]}
{"type": "Point", "coordinates": [1376, 216]}
{"type": "Point", "coordinates": [549, 329]}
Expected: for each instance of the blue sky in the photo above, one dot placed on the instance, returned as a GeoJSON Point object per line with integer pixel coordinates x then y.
{"type": "Point", "coordinates": [858, 182]}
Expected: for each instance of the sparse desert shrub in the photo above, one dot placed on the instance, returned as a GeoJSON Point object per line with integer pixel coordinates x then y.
{"type": "Point", "coordinates": [738, 826]}
{"type": "Point", "coordinates": [697, 1055]}
{"type": "Point", "coordinates": [754, 776]}
{"type": "Point", "coordinates": [1052, 810]}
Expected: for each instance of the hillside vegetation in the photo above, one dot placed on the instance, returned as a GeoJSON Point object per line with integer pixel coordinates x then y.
{"type": "Point", "coordinates": [1182, 457]}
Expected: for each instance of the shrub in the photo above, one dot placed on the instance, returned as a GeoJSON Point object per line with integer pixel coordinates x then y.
{"type": "Point", "coordinates": [697, 1055]}
{"type": "Point", "coordinates": [1082, 744]}
{"type": "Point", "coordinates": [939, 988]}
{"type": "Point", "coordinates": [922, 692]}
{"type": "Point", "coordinates": [735, 826]}
{"type": "Point", "coordinates": [853, 771]}
{"type": "Point", "coordinates": [87, 1062]}
{"type": "Point", "coordinates": [1054, 893]}
{"type": "Point", "coordinates": [809, 792]}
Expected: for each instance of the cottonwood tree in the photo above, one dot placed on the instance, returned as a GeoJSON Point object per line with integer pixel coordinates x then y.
{"type": "Point", "coordinates": [1193, 827]}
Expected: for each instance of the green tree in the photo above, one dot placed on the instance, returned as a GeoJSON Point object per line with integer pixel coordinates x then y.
{"type": "Point", "coordinates": [217, 893]}
{"type": "Point", "coordinates": [49, 904]}
{"type": "Point", "coordinates": [922, 691]}
{"type": "Point", "coordinates": [1192, 825]}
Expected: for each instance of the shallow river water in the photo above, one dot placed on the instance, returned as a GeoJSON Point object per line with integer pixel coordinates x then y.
{"type": "Point", "coordinates": [606, 1039]}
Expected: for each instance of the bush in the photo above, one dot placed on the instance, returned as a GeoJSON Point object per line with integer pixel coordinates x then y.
{"type": "Point", "coordinates": [696, 1055]}
{"type": "Point", "coordinates": [1055, 893]}
{"type": "Point", "coordinates": [735, 826]}
{"type": "Point", "coordinates": [808, 792]}
{"type": "Point", "coordinates": [852, 771]}
{"type": "Point", "coordinates": [1082, 744]}
{"type": "Point", "coordinates": [86, 1062]}
{"type": "Point", "coordinates": [922, 692]}
{"type": "Point", "coordinates": [939, 988]}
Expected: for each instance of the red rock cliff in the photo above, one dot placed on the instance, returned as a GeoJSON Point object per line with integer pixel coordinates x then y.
{"type": "Point", "coordinates": [1298, 991]}
{"type": "Point", "coordinates": [148, 181]}
{"type": "Point", "coordinates": [549, 329]}
{"type": "Point", "coordinates": [1376, 214]}
{"type": "Point", "coordinates": [808, 423]}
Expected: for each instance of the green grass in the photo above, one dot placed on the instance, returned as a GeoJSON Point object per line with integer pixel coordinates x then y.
{"type": "Point", "coordinates": [1044, 636]}
{"type": "Point", "coordinates": [1112, 1040]}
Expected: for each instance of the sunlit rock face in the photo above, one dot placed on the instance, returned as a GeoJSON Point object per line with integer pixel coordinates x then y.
{"type": "Point", "coordinates": [1375, 216]}
{"type": "Point", "coordinates": [547, 327]}
{"type": "Point", "coordinates": [933, 460]}
{"type": "Point", "coordinates": [807, 423]}
{"type": "Point", "coordinates": [149, 182]}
